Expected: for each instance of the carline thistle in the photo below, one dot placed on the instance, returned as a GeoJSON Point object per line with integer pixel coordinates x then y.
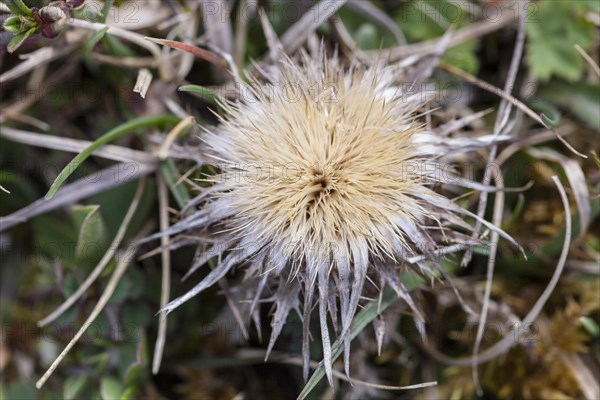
{"type": "Point", "coordinates": [325, 185]}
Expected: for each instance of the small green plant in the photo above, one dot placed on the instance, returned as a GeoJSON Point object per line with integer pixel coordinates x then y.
{"type": "Point", "coordinates": [49, 21]}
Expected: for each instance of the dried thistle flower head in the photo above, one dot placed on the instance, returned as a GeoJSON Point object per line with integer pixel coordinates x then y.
{"type": "Point", "coordinates": [325, 181]}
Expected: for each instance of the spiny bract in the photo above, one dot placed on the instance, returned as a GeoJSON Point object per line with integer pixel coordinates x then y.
{"type": "Point", "coordinates": [325, 179]}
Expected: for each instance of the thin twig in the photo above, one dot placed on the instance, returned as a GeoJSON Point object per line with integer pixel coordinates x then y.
{"type": "Point", "coordinates": [497, 221]}
{"type": "Point", "coordinates": [493, 89]}
{"type": "Point", "coordinates": [163, 205]}
{"type": "Point", "coordinates": [297, 34]}
{"type": "Point", "coordinates": [278, 357]}
{"type": "Point", "coordinates": [90, 185]}
{"type": "Point", "coordinates": [247, 10]}
{"type": "Point", "coordinates": [593, 64]}
{"type": "Point", "coordinates": [163, 67]}
{"type": "Point", "coordinates": [110, 288]}
{"type": "Point", "coordinates": [163, 152]}
{"type": "Point", "coordinates": [35, 60]}
{"type": "Point", "coordinates": [509, 151]}
{"type": "Point", "coordinates": [104, 261]}
{"type": "Point", "coordinates": [473, 31]}
{"type": "Point", "coordinates": [109, 151]}
{"type": "Point", "coordinates": [501, 120]}
{"type": "Point", "coordinates": [506, 343]}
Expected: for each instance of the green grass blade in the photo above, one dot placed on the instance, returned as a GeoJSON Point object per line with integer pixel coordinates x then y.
{"type": "Point", "coordinates": [133, 125]}
{"type": "Point", "coordinates": [202, 91]}
{"type": "Point", "coordinates": [92, 40]}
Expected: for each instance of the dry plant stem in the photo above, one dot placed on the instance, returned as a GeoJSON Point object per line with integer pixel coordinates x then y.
{"type": "Point", "coordinates": [587, 380]}
{"type": "Point", "coordinates": [221, 35]}
{"type": "Point", "coordinates": [510, 340]}
{"type": "Point", "coordinates": [163, 68]}
{"type": "Point", "coordinates": [277, 357]}
{"type": "Point", "coordinates": [509, 151]}
{"type": "Point", "coordinates": [103, 262]}
{"type": "Point", "coordinates": [493, 89]}
{"type": "Point", "coordinates": [34, 60]}
{"type": "Point", "coordinates": [235, 310]}
{"type": "Point", "coordinates": [36, 84]}
{"type": "Point", "coordinates": [593, 64]}
{"type": "Point", "coordinates": [108, 151]}
{"type": "Point", "coordinates": [26, 119]}
{"type": "Point", "coordinates": [130, 62]}
{"type": "Point", "coordinates": [241, 31]}
{"type": "Point", "coordinates": [501, 119]}
{"type": "Point", "coordinates": [110, 288]}
{"type": "Point", "coordinates": [188, 28]}
{"type": "Point", "coordinates": [473, 31]}
{"type": "Point", "coordinates": [189, 48]}
{"type": "Point", "coordinates": [14, 110]}
{"type": "Point", "coordinates": [380, 17]}
{"type": "Point", "coordinates": [144, 79]}
{"type": "Point", "coordinates": [163, 152]}
{"type": "Point", "coordinates": [345, 37]}
{"type": "Point", "coordinates": [497, 221]}
{"type": "Point", "coordinates": [163, 204]}
{"type": "Point", "coordinates": [175, 109]}
{"type": "Point", "coordinates": [90, 185]}
{"type": "Point", "coordinates": [297, 34]}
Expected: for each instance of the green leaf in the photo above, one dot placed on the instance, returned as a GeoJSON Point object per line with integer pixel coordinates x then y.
{"type": "Point", "coordinates": [596, 158]}
{"type": "Point", "coordinates": [92, 40]}
{"type": "Point", "coordinates": [13, 24]}
{"type": "Point", "coordinates": [55, 239]}
{"type": "Point", "coordinates": [18, 183]}
{"type": "Point", "coordinates": [74, 385]}
{"type": "Point", "coordinates": [122, 290]}
{"type": "Point", "coordinates": [416, 24]}
{"type": "Point", "coordinates": [367, 37]}
{"type": "Point", "coordinates": [21, 389]}
{"type": "Point", "coordinates": [129, 393]}
{"type": "Point", "coordinates": [133, 125]}
{"type": "Point", "coordinates": [19, 39]}
{"type": "Point", "coordinates": [136, 375]}
{"type": "Point", "coordinates": [463, 56]}
{"type": "Point", "coordinates": [70, 284]}
{"type": "Point", "coordinates": [110, 389]}
{"type": "Point", "coordinates": [590, 326]}
{"type": "Point", "coordinates": [581, 99]}
{"type": "Point", "coordinates": [17, 7]}
{"type": "Point", "coordinates": [425, 20]}
{"type": "Point", "coordinates": [548, 112]}
{"type": "Point", "coordinates": [93, 235]}
{"type": "Point", "coordinates": [130, 286]}
{"type": "Point", "coordinates": [99, 361]}
{"type": "Point", "coordinates": [558, 27]}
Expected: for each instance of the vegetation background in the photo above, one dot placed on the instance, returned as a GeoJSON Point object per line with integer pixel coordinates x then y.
{"type": "Point", "coordinates": [66, 81]}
